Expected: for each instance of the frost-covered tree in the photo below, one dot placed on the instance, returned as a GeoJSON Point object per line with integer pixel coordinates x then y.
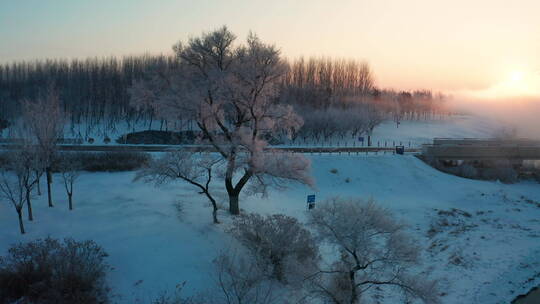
{"type": "Point", "coordinates": [45, 120]}
{"type": "Point", "coordinates": [281, 245]}
{"type": "Point", "coordinates": [240, 280]}
{"type": "Point", "coordinates": [196, 170]}
{"type": "Point", "coordinates": [230, 92]}
{"type": "Point", "coordinates": [374, 250]}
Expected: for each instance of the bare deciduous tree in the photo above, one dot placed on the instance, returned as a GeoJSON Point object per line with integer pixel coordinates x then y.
{"type": "Point", "coordinates": [70, 170]}
{"type": "Point", "coordinates": [374, 250]}
{"type": "Point", "coordinates": [45, 119]}
{"type": "Point", "coordinates": [28, 164]}
{"type": "Point", "coordinates": [194, 169]}
{"type": "Point", "coordinates": [12, 189]}
{"type": "Point", "coordinates": [24, 163]}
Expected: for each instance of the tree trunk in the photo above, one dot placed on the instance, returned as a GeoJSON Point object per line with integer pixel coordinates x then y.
{"type": "Point", "coordinates": [151, 120]}
{"type": "Point", "coordinates": [214, 215]}
{"type": "Point", "coordinates": [21, 225]}
{"type": "Point", "coordinates": [49, 180]}
{"type": "Point", "coordinates": [354, 294]}
{"type": "Point", "coordinates": [38, 184]}
{"type": "Point", "coordinates": [234, 208]}
{"type": "Point", "coordinates": [214, 206]}
{"type": "Point", "coordinates": [29, 205]}
{"type": "Point", "coordinates": [70, 198]}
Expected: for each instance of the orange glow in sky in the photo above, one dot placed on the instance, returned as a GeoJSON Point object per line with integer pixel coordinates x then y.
{"type": "Point", "coordinates": [482, 46]}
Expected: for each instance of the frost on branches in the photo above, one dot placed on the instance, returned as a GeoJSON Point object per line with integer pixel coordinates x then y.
{"type": "Point", "coordinates": [230, 91]}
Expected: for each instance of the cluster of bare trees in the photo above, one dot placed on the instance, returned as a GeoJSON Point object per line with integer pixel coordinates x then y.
{"type": "Point", "coordinates": [322, 82]}
{"type": "Point", "coordinates": [324, 124]}
{"type": "Point", "coordinates": [41, 126]}
{"type": "Point", "coordinates": [94, 91]}
{"type": "Point", "coordinates": [338, 97]}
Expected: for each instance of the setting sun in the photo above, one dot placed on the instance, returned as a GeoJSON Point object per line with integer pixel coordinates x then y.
{"type": "Point", "coordinates": [517, 83]}
{"type": "Point", "coordinates": [516, 76]}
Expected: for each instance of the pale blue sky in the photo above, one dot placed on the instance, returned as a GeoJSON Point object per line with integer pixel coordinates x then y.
{"type": "Point", "coordinates": [460, 44]}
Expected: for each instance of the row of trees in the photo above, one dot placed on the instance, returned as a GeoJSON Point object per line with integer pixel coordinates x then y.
{"type": "Point", "coordinates": [93, 91]}
{"type": "Point", "coordinates": [96, 92]}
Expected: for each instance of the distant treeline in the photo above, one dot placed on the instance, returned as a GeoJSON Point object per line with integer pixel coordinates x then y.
{"type": "Point", "coordinates": [95, 90]}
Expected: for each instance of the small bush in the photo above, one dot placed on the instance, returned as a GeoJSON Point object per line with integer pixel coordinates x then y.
{"type": "Point", "coordinates": [505, 175]}
{"type": "Point", "coordinates": [468, 171]}
{"type": "Point", "coordinates": [278, 242]}
{"type": "Point", "coordinates": [180, 210]}
{"type": "Point", "coordinates": [111, 161]}
{"type": "Point", "coordinates": [334, 171]}
{"type": "Point", "coordinates": [176, 297]}
{"type": "Point", "coordinates": [240, 280]}
{"type": "Point", "coordinates": [49, 271]}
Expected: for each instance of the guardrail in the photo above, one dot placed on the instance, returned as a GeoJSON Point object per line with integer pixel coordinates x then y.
{"type": "Point", "coordinates": [199, 148]}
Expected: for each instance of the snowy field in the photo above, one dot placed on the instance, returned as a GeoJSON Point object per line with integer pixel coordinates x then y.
{"type": "Point", "coordinates": [481, 238]}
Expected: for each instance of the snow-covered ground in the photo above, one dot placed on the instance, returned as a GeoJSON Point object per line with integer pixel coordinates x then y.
{"type": "Point", "coordinates": [481, 238]}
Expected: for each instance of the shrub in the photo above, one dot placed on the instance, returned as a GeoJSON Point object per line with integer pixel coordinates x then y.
{"type": "Point", "coordinates": [180, 209]}
{"type": "Point", "coordinates": [505, 175]}
{"type": "Point", "coordinates": [278, 242]}
{"type": "Point", "coordinates": [176, 297]}
{"type": "Point", "coordinates": [154, 137]}
{"type": "Point", "coordinates": [468, 171]}
{"type": "Point", "coordinates": [334, 171]}
{"type": "Point", "coordinates": [49, 271]}
{"type": "Point", "coordinates": [240, 279]}
{"type": "Point", "coordinates": [110, 161]}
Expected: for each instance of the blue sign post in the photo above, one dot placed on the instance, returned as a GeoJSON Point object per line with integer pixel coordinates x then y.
{"type": "Point", "coordinates": [311, 201]}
